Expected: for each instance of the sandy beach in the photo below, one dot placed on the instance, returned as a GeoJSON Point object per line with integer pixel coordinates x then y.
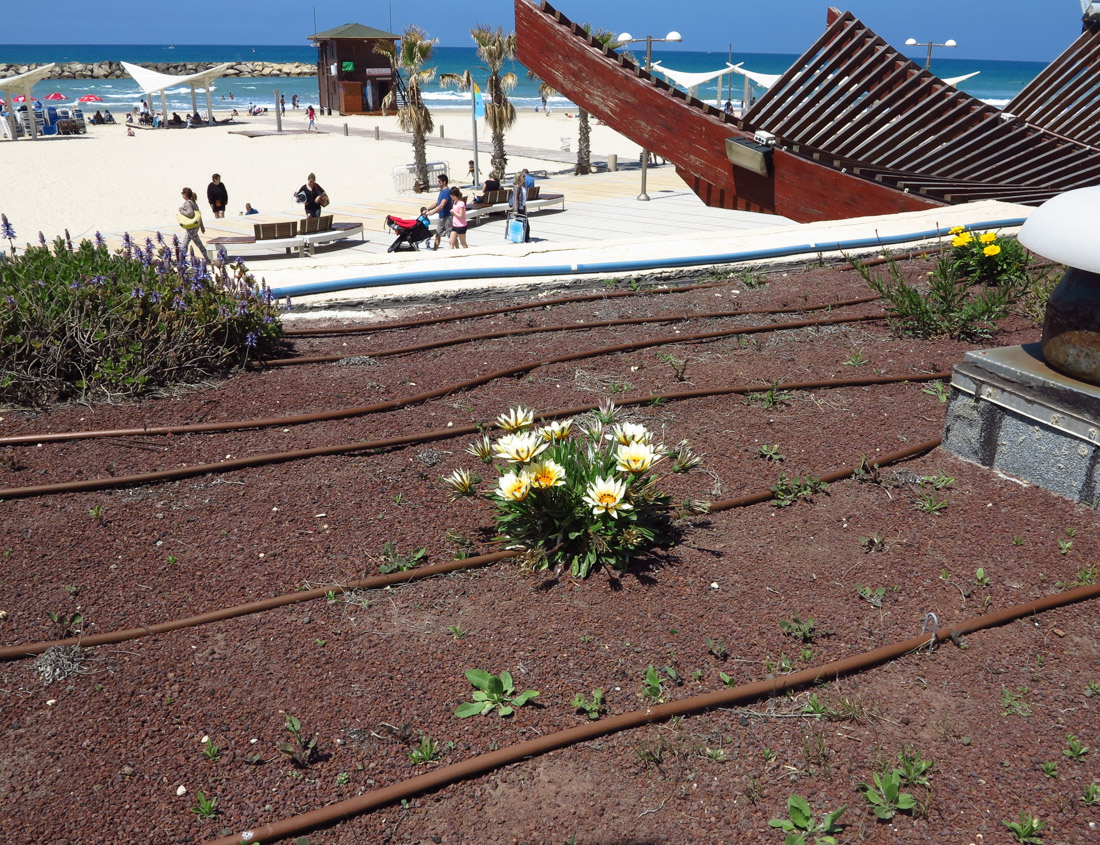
{"type": "Point", "coordinates": [108, 182]}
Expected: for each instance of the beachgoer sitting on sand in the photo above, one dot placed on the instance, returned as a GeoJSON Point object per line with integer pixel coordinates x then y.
{"type": "Point", "coordinates": [130, 117]}
{"type": "Point", "coordinates": [176, 120]}
{"type": "Point", "coordinates": [234, 113]}
{"type": "Point", "coordinates": [97, 118]}
{"type": "Point", "coordinates": [130, 131]}
{"type": "Point", "coordinates": [190, 125]}
{"type": "Point", "coordinates": [248, 209]}
{"type": "Point", "coordinates": [108, 117]}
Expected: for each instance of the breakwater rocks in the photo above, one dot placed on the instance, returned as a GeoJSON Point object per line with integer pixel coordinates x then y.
{"type": "Point", "coordinates": [113, 70]}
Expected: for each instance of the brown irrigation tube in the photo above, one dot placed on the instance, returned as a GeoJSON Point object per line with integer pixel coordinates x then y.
{"type": "Point", "coordinates": [18, 652]}
{"type": "Point", "coordinates": [483, 763]}
{"type": "Point", "coordinates": [233, 464]}
{"type": "Point", "coordinates": [563, 327]}
{"type": "Point", "coordinates": [344, 413]}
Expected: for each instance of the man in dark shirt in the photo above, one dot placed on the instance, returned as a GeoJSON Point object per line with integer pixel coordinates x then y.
{"type": "Point", "coordinates": [217, 196]}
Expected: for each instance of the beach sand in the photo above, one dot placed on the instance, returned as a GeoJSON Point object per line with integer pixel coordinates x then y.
{"type": "Point", "coordinates": [108, 182]}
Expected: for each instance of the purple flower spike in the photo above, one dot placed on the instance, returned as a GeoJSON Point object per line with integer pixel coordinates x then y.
{"type": "Point", "coordinates": [288, 303]}
{"type": "Point", "coordinates": [99, 241]}
{"type": "Point", "coordinates": [6, 230]}
{"type": "Point", "coordinates": [251, 339]}
{"type": "Point", "coordinates": [41, 239]}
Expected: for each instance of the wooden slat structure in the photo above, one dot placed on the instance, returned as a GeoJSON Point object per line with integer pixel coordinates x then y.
{"type": "Point", "coordinates": [859, 129]}
{"type": "Point", "coordinates": [1065, 97]}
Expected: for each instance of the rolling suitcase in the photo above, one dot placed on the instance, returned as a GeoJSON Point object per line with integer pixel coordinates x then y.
{"type": "Point", "coordinates": [517, 230]}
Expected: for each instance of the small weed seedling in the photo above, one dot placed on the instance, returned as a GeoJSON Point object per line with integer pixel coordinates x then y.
{"type": "Point", "coordinates": [1085, 576]}
{"type": "Point", "coordinates": [768, 755]}
{"type": "Point", "coordinates": [211, 751]}
{"type": "Point", "coordinates": [492, 691]}
{"type": "Point", "coordinates": [716, 647]}
{"type": "Point", "coordinates": [981, 578]}
{"type": "Point", "coordinates": [801, 630]}
{"type": "Point", "coordinates": [715, 754]}
{"type": "Point", "coordinates": [770, 452]}
{"type": "Point", "coordinates": [1093, 689]}
{"type": "Point", "coordinates": [393, 561]}
{"type": "Point", "coordinates": [787, 491]}
{"type": "Point", "coordinates": [937, 389]}
{"type": "Point", "coordinates": [1017, 541]}
{"type": "Point", "coordinates": [885, 796]}
{"type": "Point", "coordinates": [678, 366]}
{"type": "Point", "coordinates": [591, 708]}
{"type": "Point", "coordinates": [939, 481]}
{"type": "Point", "coordinates": [426, 752]}
{"type": "Point", "coordinates": [1027, 829]}
{"type": "Point", "coordinates": [780, 666]}
{"type": "Point", "coordinates": [1064, 546]}
{"type": "Point", "coordinates": [772, 398]}
{"type": "Point", "coordinates": [207, 808]}
{"type": "Point", "coordinates": [301, 751]}
{"type": "Point", "coordinates": [801, 823]}
{"type": "Point", "coordinates": [728, 680]}
{"type": "Point", "coordinates": [651, 685]}
{"type": "Point", "coordinates": [930, 503]}
{"type": "Point", "coordinates": [912, 767]}
{"type": "Point", "coordinates": [1050, 768]}
{"type": "Point", "coordinates": [1013, 704]}
{"type": "Point", "coordinates": [1092, 795]}
{"type": "Point", "coordinates": [856, 358]}
{"type": "Point", "coordinates": [1077, 750]}
{"type": "Point", "coordinates": [343, 779]}
{"type": "Point", "coordinates": [96, 512]}
{"type": "Point", "coordinates": [874, 597]}
{"type": "Point", "coordinates": [457, 632]}
{"type": "Point", "coordinates": [68, 624]}
{"type": "Point", "coordinates": [874, 543]}
{"type": "Point", "coordinates": [816, 707]}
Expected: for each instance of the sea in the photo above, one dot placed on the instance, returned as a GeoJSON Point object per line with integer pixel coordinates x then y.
{"type": "Point", "coordinates": [996, 83]}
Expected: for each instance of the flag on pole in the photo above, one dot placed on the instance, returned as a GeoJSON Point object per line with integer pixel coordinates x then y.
{"type": "Point", "coordinates": [479, 104]}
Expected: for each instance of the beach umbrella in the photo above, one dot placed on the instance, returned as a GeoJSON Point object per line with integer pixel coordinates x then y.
{"type": "Point", "coordinates": [91, 98]}
{"type": "Point", "coordinates": [19, 99]}
{"type": "Point", "coordinates": [56, 95]}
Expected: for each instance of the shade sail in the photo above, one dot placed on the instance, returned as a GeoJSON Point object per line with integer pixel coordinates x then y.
{"type": "Point", "coordinates": [151, 81]}
{"type": "Point", "coordinates": [24, 82]}
{"type": "Point", "coordinates": [688, 80]}
{"type": "Point", "coordinates": [767, 80]}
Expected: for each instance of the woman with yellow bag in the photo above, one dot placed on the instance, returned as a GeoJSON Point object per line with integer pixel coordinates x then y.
{"type": "Point", "coordinates": [190, 218]}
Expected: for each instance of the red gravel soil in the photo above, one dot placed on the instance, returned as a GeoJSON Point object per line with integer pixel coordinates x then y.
{"type": "Point", "coordinates": [114, 753]}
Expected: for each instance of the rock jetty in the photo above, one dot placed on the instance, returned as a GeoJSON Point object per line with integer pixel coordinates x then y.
{"type": "Point", "coordinates": [113, 70]}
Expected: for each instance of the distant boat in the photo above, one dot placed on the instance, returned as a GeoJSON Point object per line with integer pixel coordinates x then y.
{"type": "Point", "coordinates": [170, 47]}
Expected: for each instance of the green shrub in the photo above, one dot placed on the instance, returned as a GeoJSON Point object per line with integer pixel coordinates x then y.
{"type": "Point", "coordinates": [580, 500]}
{"type": "Point", "coordinates": [948, 307]}
{"type": "Point", "coordinates": [84, 323]}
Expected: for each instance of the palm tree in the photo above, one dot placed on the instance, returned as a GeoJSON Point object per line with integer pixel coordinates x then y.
{"type": "Point", "coordinates": [409, 57]}
{"type": "Point", "coordinates": [584, 131]}
{"type": "Point", "coordinates": [495, 48]}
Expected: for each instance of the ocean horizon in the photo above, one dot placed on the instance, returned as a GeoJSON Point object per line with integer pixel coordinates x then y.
{"type": "Point", "coordinates": [997, 81]}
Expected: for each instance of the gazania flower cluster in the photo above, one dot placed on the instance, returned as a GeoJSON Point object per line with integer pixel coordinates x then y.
{"type": "Point", "coordinates": [987, 258]}
{"type": "Point", "coordinates": [577, 495]}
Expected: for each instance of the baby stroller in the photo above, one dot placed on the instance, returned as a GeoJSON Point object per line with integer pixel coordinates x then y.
{"type": "Point", "coordinates": [409, 232]}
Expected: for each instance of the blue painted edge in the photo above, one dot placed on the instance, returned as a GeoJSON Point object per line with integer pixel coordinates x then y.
{"type": "Point", "coordinates": [526, 270]}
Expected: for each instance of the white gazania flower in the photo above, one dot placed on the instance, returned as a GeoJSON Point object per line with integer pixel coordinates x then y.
{"type": "Point", "coordinates": [606, 495]}
{"type": "Point", "coordinates": [516, 419]}
{"type": "Point", "coordinates": [631, 433]}
{"type": "Point", "coordinates": [481, 448]}
{"type": "Point", "coordinates": [519, 448]}
{"type": "Point", "coordinates": [635, 457]}
{"type": "Point", "coordinates": [461, 482]}
{"type": "Point", "coordinates": [546, 474]}
{"type": "Point", "coordinates": [514, 487]}
{"type": "Point", "coordinates": [557, 430]}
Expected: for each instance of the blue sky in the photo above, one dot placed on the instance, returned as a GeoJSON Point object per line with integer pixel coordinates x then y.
{"type": "Point", "coordinates": [1033, 30]}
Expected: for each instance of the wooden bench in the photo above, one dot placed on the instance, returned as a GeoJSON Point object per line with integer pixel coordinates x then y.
{"type": "Point", "coordinates": [321, 230]}
{"type": "Point", "coordinates": [497, 201]}
{"type": "Point", "coordinates": [267, 236]}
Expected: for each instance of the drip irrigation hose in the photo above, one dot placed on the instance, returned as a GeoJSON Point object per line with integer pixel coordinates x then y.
{"type": "Point", "coordinates": [683, 317]}
{"type": "Point", "coordinates": [233, 464]}
{"type": "Point", "coordinates": [528, 270]}
{"type": "Point", "coordinates": [394, 404]}
{"type": "Point", "coordinates": [447, 775]}
{"type": "Point", "coordinates": [18, 652]}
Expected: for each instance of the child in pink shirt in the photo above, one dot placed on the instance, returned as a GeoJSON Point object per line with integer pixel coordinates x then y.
{"type": "Point", "coordinates": [458, 219]}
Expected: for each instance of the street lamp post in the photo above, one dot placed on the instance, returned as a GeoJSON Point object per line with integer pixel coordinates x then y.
{"type": "Point", "coordinates": [912, 42]}
{"type": "Point", "coordinates": [627, 38]}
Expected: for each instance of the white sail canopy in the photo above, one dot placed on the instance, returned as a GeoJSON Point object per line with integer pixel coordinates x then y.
{"type": "Point", "coordinates": [23, 83]}
{"type": "Point", "coordinates": [689, 80]}
{"type": "Point", "coordinates": [153, 81]}
{"type": "Point", "coordinates": [767, 80]}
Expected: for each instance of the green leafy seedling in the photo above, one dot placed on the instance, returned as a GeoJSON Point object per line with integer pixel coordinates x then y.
{"type": "Point", "coordinates": [206, 808]}
{"type": "Point", "coordinates": [426, 752]}
{"type": "Point", "coordinates": [874, 597]}
{"type": "Point", "coordinates": [1092, 795]}
{"type": "Point", "coordinates": [1027, 829]}
{"type": "Point", "coordinates": [651, 684]}
{"type": "Point", "coordinates": [801, 823]}
{"type": "Point", "coordinates": [302, 751]}
{"type": "Point", "coordinates": [493, 691]}
{"type": "Point", "coordinates": [590, 708]}
{"type": "Point", "coordinates": [1050, 768]}
{"type": "Point", "coordinates": [912, 767]}
{"type": "Point", "coordinates": [885, 796]}
{"type": "Point", "coordinates": [1077, 750]}
{"type": "Point", "coordinates": [801, 630]}
{"type": "Point", "coordinates": [211, 751]}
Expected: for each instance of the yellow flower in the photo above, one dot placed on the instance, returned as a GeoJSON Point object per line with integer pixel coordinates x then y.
{"type": "Point", "coordinates": [516, 418]}
{"type": "Point", "coordinates": [519, 448]}
{"type": "Point", "coordinates": [556, 431]}
{"type": "Point", "coordinates": [988, 238]}
{"type": "Point", "coordinates": [606, 495]}
{"type": "Point", "coordinates": [635, 457]}
{"type": "Point", "coordinates": [514, 487]}
{"type": "Point", "coordinates": [627, 433]}
{"type": "Point", "coordinates": [956, 230]}
{"type": "Point", "coordinates": [992, 249]}
{"type": "Point", "coordinates": [962, 240]}
{"type": "Point", "coordinates": [546, 474]}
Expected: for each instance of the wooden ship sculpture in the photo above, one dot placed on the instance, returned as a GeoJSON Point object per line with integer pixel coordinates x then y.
{"type": "Point", "coordinates": [853, 128]}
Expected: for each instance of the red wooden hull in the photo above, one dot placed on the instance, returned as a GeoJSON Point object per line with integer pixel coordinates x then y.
{"type": "Point", "coordinates": [691, 135]}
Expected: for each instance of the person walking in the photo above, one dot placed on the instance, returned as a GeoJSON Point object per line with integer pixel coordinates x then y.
{"type": "Point", "coordinates": [190, 218]}
{"type": "Point", "coordinates": [458, 220]}
{"type": "Point", "coordinates": [282, 104]}
{"type": "Point", "coordinates": [217, 195]}
{"type": "Point", "coordinates": [313, 195]}
{"type": "Point", "coordinates": [311, 116]}
{"type": "Point", "coordinates": [443, 206]}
